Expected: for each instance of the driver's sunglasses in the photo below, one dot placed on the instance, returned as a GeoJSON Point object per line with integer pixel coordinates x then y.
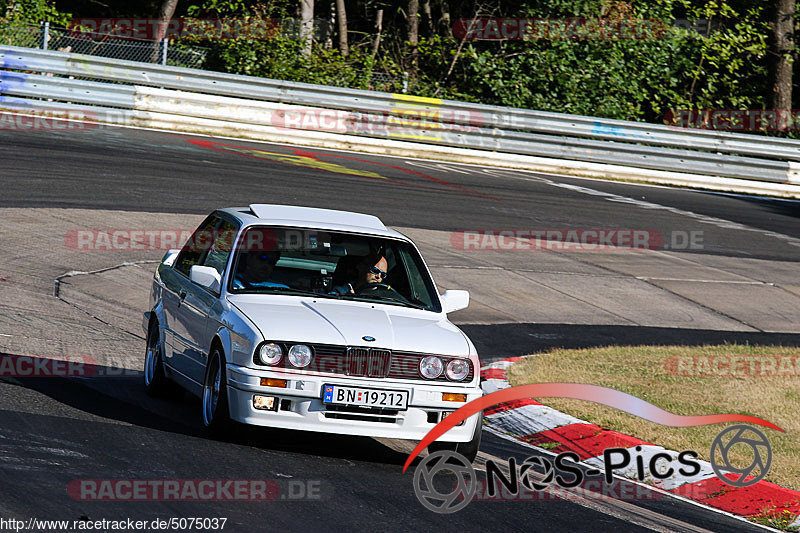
{"type": "Point", "coordinates": [378, 272]}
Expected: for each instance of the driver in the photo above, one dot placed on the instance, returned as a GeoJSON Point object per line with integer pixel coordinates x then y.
{"type": "Point", "coordinates": [254, 270]}
{"type": "Point", "coordinates": [373, 269]}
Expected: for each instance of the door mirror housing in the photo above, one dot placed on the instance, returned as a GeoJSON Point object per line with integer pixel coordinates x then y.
{"type": "Point", "coordinates": [453, 300]}
{"type": "Point", "coordinates": [169, 257]}
{"type": "Point", "coordinates": [206, 276]}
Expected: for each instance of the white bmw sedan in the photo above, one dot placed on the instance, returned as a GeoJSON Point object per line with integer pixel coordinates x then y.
{"type": "Point", "coordinates": [310, 319]}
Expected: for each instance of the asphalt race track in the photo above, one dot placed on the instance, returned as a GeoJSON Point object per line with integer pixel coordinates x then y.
{"type": "Point", "coordinates": [55, 431]}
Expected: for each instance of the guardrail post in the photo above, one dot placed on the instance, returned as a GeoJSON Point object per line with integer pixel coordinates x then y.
{"type": "Point", "coordinates": [164, 51]}
{"type": "Point", "coordinates": [45, 35]}
{"type": "Point", "coordinates": [793, 174]}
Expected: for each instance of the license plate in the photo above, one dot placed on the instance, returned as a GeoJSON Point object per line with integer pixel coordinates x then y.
{"type": "Point", "coordinates": [389, 399]}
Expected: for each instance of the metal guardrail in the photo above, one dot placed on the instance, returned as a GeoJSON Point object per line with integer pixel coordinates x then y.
{"type": "Point", "coordinates": [68, 90]}
{"type": "Point", "coordinates": [422, 120]}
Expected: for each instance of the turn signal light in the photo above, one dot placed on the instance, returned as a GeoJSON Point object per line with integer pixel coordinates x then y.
{"type": "Point", "coordinates": [453, 397]}
{"type": "Point", "coordinates": [272, 382]}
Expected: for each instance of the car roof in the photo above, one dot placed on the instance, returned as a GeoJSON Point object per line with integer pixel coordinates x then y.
{"type": "Point", "coordinates": [311, 217]}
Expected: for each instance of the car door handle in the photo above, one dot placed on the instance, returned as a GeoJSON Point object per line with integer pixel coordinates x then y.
{"type": "Point", "coordinates": [182, 296]}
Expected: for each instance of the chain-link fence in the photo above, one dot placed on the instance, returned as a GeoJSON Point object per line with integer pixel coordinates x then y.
{"type": "Point", "coordinates": [47, 37]}
{"type": "Point", "coordinates": [166, 52]}
{"type": "Point", "coordinates": [26, 35]}
{"type": "Point", "coordinates": [383, 81]}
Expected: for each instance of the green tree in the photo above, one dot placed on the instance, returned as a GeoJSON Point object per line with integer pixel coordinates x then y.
{"type": "Point", "coordinates": [31, 12]}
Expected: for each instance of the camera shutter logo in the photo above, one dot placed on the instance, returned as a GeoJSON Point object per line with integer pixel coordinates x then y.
{"type": "Point", "coordinates": [445, 502]}
{"type": "Point", "coordinates": [746, 435]}
{"type": "Point", "coordinates": [528, 478]}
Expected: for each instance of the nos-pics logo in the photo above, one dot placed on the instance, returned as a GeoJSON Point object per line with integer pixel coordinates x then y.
{"type": "Point", "coordinates": [445, 482]}
{"type": "Point", "coordinates": [450, 497]}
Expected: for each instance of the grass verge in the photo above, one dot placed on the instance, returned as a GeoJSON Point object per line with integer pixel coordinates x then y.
{"type": "Point", "coordinates": [686, 381]}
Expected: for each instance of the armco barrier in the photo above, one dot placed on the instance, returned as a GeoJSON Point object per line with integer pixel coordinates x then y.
{"type": "Point", "coordinates": [225, 104]}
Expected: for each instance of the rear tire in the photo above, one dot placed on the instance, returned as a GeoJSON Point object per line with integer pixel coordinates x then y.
{"type": "Point", "coordinates": [156, 382]}
{"type": "Point", "coordinates": [468, 449]}
{"type": "Point", "coordinates": [216, 417]}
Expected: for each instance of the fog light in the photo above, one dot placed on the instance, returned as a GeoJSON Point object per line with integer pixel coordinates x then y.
{"type": "Point", "coordinates": [265, 403]}
{"type": "Point", "coordinates": [453, 397]}
{"type": "Point", "coordinates": [445, 413]}
{"type": "Point", "coordinates": [273, 382]}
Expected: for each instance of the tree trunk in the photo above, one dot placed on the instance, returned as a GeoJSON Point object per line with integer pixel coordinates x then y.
{"type": "Point", "coordinates": [426, 12]}
{"type": "Point", "coordinates": [341, 16]}
{"type": "Point", "coordinates": [306, 25]}
{"type": "Point", "coordinates": [378, 29]}
{"type": "Point", "coordinates": [444, 22]}
{"type": "Point", "coordinates": [413, 33]}
{"type": "Point", "coordinates": [330, 22]}
{"type": "Point", "coordinates": [164, 16]}
{"type": "Point", "coordinates": [784, 44]}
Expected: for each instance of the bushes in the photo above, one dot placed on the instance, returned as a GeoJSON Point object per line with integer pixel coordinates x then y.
{"type": "Point", "coordinates": [640, 79]}
{"type": "Point", "coordinates": [723, 66]}
{"type": "Point", "coordinates": [31, 12]}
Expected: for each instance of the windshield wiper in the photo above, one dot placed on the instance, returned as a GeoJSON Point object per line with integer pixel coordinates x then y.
{"type": "Point", "coordinates": [391, 299]}
{"type": "Point", "coordinates": [292, 289]}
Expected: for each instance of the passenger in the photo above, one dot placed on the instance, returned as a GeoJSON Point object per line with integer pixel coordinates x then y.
{"type": "Point", "coordinates": [254, 270]}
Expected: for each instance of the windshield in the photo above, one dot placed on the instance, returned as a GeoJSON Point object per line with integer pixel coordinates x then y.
{"type": "Point", "coordinates": [332, 265]}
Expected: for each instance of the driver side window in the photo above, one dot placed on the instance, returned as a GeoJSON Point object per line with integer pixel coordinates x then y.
{"type": "Point", "coordinates": [194, 251]}
{"type": "Point", "coordinates": [221, 246]}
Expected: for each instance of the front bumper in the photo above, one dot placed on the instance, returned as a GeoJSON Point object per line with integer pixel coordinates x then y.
{"type": "Point", "coordinates": [301, 407]}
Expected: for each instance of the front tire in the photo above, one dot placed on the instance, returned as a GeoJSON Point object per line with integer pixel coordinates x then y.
{"type": "Point", "coordinates": [216, 417]}
{"type": "Point", "coordinates": [156, 382]}
{"type": "Point", "coordinates": [468, 449]}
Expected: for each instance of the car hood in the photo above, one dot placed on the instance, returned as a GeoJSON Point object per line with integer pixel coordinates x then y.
{"type": "Point", "coordinates": [287, 318]}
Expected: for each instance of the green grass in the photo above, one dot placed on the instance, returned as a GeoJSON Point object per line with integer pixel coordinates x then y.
{"type": "Point", "coordinates": [648, 373]}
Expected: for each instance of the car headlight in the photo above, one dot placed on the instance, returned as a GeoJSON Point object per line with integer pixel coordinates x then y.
{"type": "Point", "coordinates": [300, 355]}
{"type": "Point", "coordinates": [270, 354]}
{"type": "Point", "coordinates": [431, 367]}
{"type": "Point", "coordinates": [457, 369]}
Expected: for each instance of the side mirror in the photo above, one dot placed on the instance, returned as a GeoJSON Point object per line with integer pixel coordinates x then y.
{"type": "Point", "coordinates": [207, 277]}
{"type": "Point", "coordinates": [169, 257]}
{"type": "Point", "coordinates": [454, 300]}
